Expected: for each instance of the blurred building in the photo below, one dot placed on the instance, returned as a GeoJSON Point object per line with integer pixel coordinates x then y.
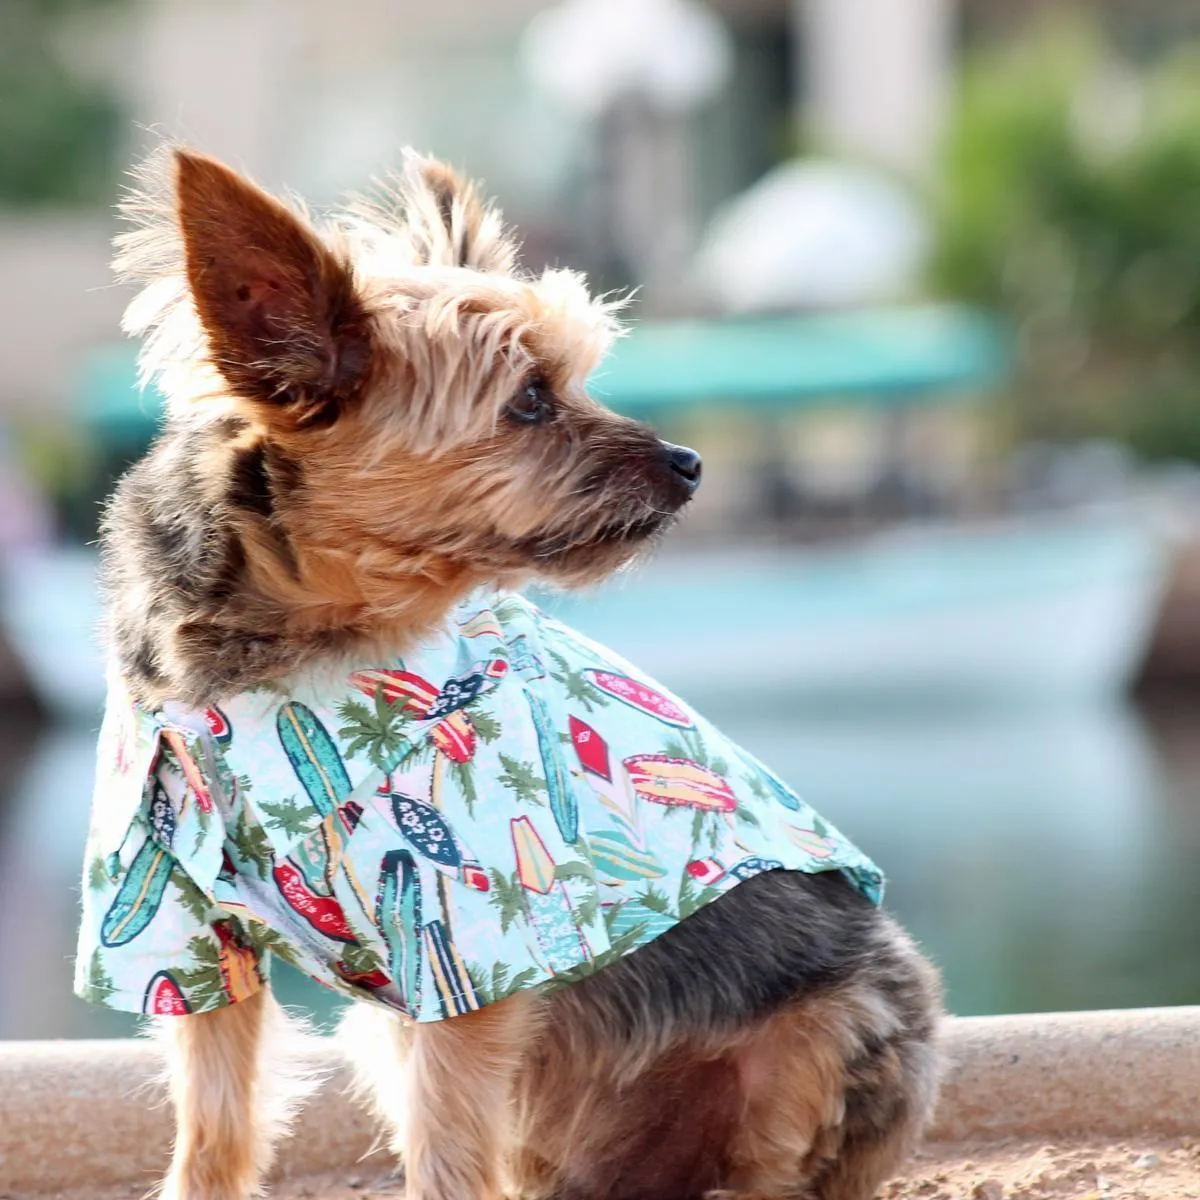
{"type": "Point", "coordinates": [302, 98]}
{"type": "Point", "coordinates": [318, 98]}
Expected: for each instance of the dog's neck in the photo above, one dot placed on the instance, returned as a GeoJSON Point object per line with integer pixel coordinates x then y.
{"type": "Point", "coordinates": [214, 650]}
{"type": "Point", "coordinates": [196, 617]}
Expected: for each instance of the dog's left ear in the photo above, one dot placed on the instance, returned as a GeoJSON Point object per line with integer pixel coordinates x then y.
{"type": "Point", "coordinates": [448, 223]}
{"type": "Point", "coordinates": [284, 323]}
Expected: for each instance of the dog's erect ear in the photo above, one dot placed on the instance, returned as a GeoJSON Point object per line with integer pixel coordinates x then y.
{"type": "Point", "coordinates": [283, 320]}
{"type": "Point", "coordinates": [448, 223]}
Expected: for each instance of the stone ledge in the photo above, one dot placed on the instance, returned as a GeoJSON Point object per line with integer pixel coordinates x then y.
{"type": "Point", "coordinates": [92, 1114]}
{"type": "Point", "coordinates": [1116, 1074]}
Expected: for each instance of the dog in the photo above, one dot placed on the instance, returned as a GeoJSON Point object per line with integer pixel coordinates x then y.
{"type": "Point", "coordinates": [607, 955]}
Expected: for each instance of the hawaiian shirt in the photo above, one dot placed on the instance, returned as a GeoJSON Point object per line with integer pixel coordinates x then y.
{"type": "Point", "coordinates": [511, 806]}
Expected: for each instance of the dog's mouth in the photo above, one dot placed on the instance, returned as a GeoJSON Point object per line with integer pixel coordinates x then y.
{"type": "Point", "coordinates": [569, 544]}
{"type": "Point", "coordinates": [629, 532]}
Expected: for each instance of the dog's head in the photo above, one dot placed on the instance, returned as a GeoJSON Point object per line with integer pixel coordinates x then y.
{"type": "Point", "coordinates": [391, 379]}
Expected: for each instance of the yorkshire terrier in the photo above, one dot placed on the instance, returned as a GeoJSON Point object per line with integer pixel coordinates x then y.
{"type": "Point", "coordinates": [605, 954]}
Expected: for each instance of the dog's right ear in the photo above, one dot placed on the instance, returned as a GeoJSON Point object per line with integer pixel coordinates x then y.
{"type": "Point", "coordinates": [279, 308]}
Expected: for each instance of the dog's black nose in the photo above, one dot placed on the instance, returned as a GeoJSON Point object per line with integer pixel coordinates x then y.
{"type": "Point", "coordinates": [685, 463]}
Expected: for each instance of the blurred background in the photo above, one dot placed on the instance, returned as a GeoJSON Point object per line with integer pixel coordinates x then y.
{"type": "Point", "coordinates": [921, 280]}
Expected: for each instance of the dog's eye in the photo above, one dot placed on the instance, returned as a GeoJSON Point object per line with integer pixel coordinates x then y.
{"type": "Point", "coordinates": [533, 404]}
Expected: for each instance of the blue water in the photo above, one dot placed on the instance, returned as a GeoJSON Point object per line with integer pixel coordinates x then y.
{"type": "Point", "coordinates": [1046, 857]}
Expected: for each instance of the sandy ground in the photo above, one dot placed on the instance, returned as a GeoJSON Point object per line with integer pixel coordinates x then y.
{"type": "Point", "coordinates": [1143, 1170]}
{"type": "Point", "coordinates": [1148, 1169]}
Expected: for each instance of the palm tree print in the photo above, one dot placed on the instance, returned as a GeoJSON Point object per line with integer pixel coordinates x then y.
{"type": "Point", "coordinates": [500, 982]}
{"type": "Point", "coordinates": [508, 897]}
{"type": "Point", "coordinates": [377, 731]}
{"type": "Point", "coordinates": [579, 688]}
{"type": "Point", "coordinates": [522, 780]}
{"type": "Point", "coordinates": [551, 857]}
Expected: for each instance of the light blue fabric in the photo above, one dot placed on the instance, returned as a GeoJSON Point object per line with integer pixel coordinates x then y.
{"type": "Point", "coordinates": [509, 806]}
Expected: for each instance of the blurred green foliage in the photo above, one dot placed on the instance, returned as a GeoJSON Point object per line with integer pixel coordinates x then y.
{"type": "Point", "coordinates": [59, 132]}
{"type": "Point", "coordinates": [1070, 201]}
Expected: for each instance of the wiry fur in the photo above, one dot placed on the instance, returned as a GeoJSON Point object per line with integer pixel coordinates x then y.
{"type": "Point", "coordinates": [307, 512]}
{"type": "Point", "coordinates": [237, 1080]}
{"type": "Point", "coordinates": [797, 1060]}
{"type": "Point", "coordinates": [341, 463]}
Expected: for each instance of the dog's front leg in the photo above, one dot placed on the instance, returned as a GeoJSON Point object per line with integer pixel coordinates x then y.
{"type": "Point", "coordinates": [461, 1079]}
{"type": "Point", "coordinates": [220, 1146]}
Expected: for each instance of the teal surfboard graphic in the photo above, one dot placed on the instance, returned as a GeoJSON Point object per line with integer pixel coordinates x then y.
{"type": "Point", "coordinates": [139, 896]}
{"type": "Point", "coordinates": [398, 915]}
{"type": "Point", "coordinates": [314, 756]}
{"type": "Point", "coordinates": [563, 804]}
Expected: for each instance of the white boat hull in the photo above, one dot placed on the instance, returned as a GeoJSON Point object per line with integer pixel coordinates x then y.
{"type": "Point", "coordinates": [1007, 612]}
{"type": "Point", "coordinates": [1033, 610]}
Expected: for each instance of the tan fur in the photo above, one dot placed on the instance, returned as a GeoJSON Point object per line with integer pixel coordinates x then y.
{"type": "Point", "coordinates": [462, 1074]}
{"type": "Point", "coordinates": [342, 462]}
{"type": "Point", "coordinates": [764, 1104]}
{"type": "Point", "coordinates": [377, 1045]}
{"type": "Point", "coordinates": [762, 1108]}
{"type": "Point", "coordinates": [231, 1109]}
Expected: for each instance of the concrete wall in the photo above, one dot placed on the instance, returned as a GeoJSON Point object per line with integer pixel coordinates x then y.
{"type": "Point", "coordinates": [89, 1114]}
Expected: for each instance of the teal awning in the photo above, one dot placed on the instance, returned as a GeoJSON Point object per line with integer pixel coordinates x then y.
{"type": "Point", "coordinates": [883, 358]}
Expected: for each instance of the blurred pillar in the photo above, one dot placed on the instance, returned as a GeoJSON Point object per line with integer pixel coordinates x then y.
{"type": "Point", "coordinates": [874, 76]}
{"type": "Point", "coordinates": [636, 71]}
{"type": "Point", "coordinates": [645, 199]}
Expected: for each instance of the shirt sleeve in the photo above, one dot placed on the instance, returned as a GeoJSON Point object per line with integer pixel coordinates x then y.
{"type": "Point", "coordinates": [152, 940]}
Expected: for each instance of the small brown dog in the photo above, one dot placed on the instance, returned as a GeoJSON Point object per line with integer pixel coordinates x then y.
{"type": "Point", "coordinates": [367, 421]}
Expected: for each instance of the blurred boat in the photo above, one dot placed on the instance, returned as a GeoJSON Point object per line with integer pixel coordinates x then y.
{"type": "Point", "coordinates": [1050, 604]}
{"type": "Point", "coordinates": [1054, 606]}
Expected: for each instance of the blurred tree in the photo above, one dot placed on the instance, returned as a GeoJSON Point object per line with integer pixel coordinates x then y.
{"type": "Point", "coordinates": [1070, 200]}
{"type": "Point", "coordinates": [59, 133]}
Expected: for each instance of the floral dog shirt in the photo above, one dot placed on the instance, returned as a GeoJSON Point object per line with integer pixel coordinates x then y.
{"type": "Point", "coordinates": [508, 807]}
